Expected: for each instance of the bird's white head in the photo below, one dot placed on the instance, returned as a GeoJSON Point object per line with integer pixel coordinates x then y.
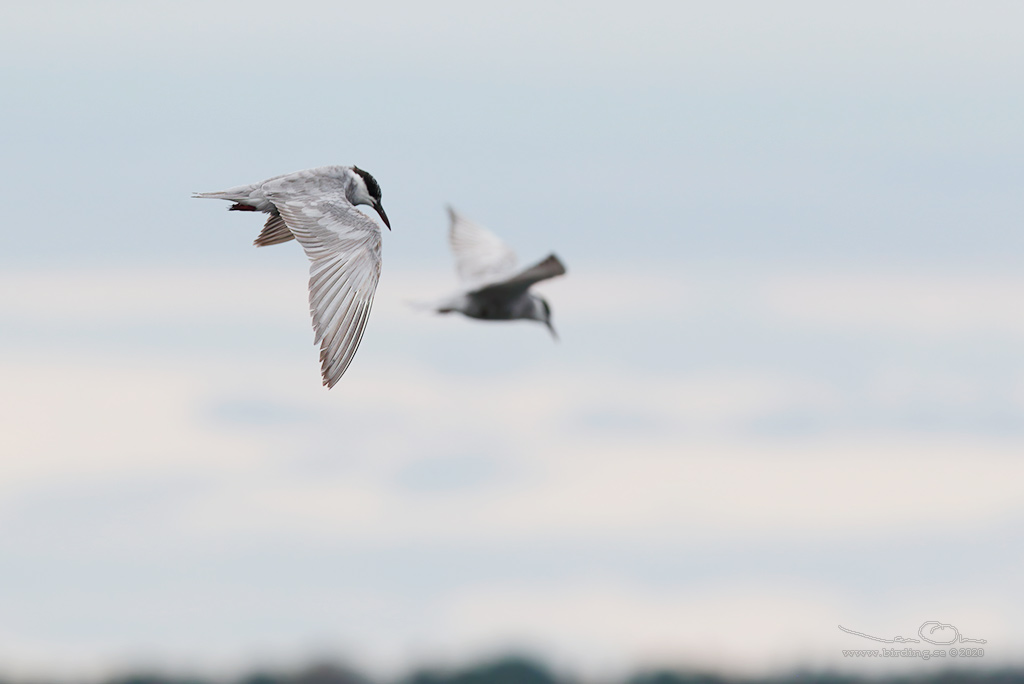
{"type": "Point", "coordinates": [366, 190]}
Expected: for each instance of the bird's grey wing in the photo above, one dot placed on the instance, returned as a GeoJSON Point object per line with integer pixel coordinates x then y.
{"type": "Point", "coordinates": [480, 255]}
{"type": "Point", "coordinates": [344, 248]}
{"type": "Point", "coordinates": [550, 267]}
{"type": "Point", "coordinates": [275, 231]}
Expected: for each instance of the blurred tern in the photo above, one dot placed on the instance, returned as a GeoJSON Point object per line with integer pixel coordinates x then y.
{"type": "Point", "coordinates": [317, 208]}
{"type": "Point", "coordinates": [493, 288]}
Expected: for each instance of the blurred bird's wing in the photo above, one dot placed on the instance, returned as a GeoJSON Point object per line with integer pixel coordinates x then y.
{"type": "Point", "coordinates": [343, 246]}
{"type": "Point", "coordinates": [480, 255]}
{"type": "Point", "coordinates": [522, 281]}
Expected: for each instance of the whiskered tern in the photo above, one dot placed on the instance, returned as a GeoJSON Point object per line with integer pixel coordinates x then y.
{"type": "Point", "coordinates": [317, 208]}
{"type": "Point", "coordinates": [493, 288]}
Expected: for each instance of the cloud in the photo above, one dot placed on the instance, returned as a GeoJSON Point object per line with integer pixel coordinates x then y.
{"type": "Point", "coordinates": [238, 294]}
{"type": "Point", "coordinates": [447, 497]}
{"type": "Point", "coordinates": [339, 472]}
{"type": "Point", "coordinates": [71, 297]}
{"type": "Point", "coordinates": [925, 306]}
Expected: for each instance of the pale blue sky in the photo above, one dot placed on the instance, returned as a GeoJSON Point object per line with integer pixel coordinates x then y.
{"type": "Point", "coordinates": [789, 388]}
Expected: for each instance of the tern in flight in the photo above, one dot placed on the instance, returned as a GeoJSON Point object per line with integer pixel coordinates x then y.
{"type": "Point", "coordinates": [317, 207]}
{"type": "Point", "coordinates": [493, 288]}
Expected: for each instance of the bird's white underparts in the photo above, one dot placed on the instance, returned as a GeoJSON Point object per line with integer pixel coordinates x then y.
{"type": "Point", "coordinates": [317, 207]}
{"type": "Point", "coordinates": [493, 287]}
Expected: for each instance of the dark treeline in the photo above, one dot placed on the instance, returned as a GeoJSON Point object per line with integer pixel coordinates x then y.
{"type": "Point", "coordinates": [525, 671]}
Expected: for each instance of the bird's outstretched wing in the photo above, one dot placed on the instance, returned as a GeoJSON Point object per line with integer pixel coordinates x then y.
{"type": "Point", "coordinates": [522, 281]}
{"type": "Point", "coordinates": [480, 255]}
{"type": "Point", "coordinates": [344, 248]}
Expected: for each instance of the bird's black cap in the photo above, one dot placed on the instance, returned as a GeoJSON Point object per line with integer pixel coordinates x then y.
{"type": "Point", "coordinates": [371, 183]}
